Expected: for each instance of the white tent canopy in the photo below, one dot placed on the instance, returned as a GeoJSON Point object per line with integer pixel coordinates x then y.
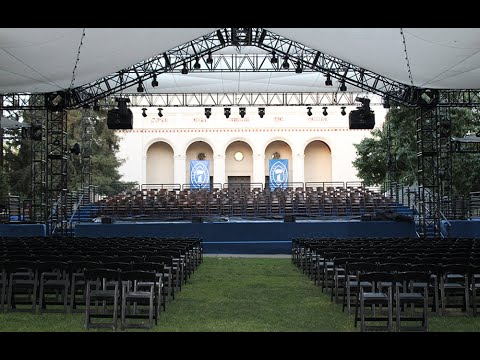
{"type": "Point", "coordinates": [42, 60]}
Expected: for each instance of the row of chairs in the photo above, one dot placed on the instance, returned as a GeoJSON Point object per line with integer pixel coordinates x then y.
{"type": "Point", "coordinates": [452, 266]}
{"type": "Point", "coordinates": [48, 275]}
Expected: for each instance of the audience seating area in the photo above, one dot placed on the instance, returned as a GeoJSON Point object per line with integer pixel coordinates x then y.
{"type": "Point", "coordinates": [247, 201]}
{"type": "Point", "coordinates": [394, 281]}
{"type": "Point", "coordinates": [114, 278]}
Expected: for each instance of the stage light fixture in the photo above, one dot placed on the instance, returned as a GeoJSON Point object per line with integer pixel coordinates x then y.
{"type": "Point", "coordinates": [154, 81]}
{"type": "Point", "coordinates": [185, 69]}
{"type": "Point", "coordinates": [325, 113]}
{"type": "Point", "coordinates": [160, 112]}
{"type": "Point", "coordinates": [226, 112]}
{"type": "Point", "coordinates": [285, 64]}
{"type": "Point", "coordinates": [343, 87]}
{"type": "Point", "coordinates": [261, 112]}
{"type": "Point", "coordinates": [299, 69]}
{"type": "Point", "coordinates": [197, 64]}
{"type": "Point", "coordinates": [140, 87]}
{"type": "Point", "coordinates": [242, 112]}
{"type": "Point", "coordinates": [75, 149]}
{"type": "Point", "coordinates": [96, 107]}
{"type": "Point", "coordinates": [208, 112]}
{"type": "Point", "coordinates": [343, 112]}
{"type": "Point", "coordinates": [274, 59]}
{"type": "Point", "coordinates": [209, 59]}
{"type": "Point", "coordinates": [386, 102]}
{"type": "Point", "coordinates": [309, 112]}
{"type": "Point", "coordinates": [144, 112]}
{"type": "Point", "coordinates": [328, 81]}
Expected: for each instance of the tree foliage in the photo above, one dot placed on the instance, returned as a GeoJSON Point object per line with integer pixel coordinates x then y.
{"type": "Point", "coordinates": [375, 152]}
{"type": "Point", "coordinates": [104, 162]}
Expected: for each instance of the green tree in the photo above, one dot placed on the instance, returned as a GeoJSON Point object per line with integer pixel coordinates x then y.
{"type": "Point", "coordinates": [374, 153]}
{"type": "Point", "coordinates": [104, 149]}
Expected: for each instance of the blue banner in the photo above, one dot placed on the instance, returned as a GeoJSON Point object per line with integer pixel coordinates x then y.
{"type": "Point", "coordinates": [278, 173]}
{"type": "Point", "coordinates": [200, 174]}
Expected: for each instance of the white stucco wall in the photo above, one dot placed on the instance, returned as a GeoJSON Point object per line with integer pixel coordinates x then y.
{"type": "Point", "coordinates": [182, 127]}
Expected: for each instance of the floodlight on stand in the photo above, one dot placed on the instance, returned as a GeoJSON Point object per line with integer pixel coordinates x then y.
{"type": "Point", "coordinates": [309, 112]}
{"type": "Point", "coordinates": [274, 59]}
{"type": "Point", "coordinates": [325, 113]}
{"type": "Point", "coordinates": [208, 112]}
{"type": "Point", "coordinates": [140, 87]}
{"type": "Point", "coordinates": [96, 107]}
{"type": "Point", "coordinates": [285, 64]}
{"type": "Point", "coordinates": [144, 112]}
{"type": "Point", "coordinates": [160, 112]}
{"type": "Point", "coordinates": [328, 81]}
{"type": "Point", "coordinates": [154, 81]}
{"type": "Point", "coordinates": [299, 69]}
{"type": "Point", "coordinates": [197, 64]}
{"type": "Point", "coordinates": [343, 112]}
{"type": "Point", "coordinates": [185, 69]}
{"type": "Point", "coordinates": [226, 112]}
{"type": "Point", "coordinates": [209, 59]}
{"type": "Point", "coordinates": [343, 87]}
{"type": "Point", "coordinates": [242, 112]}
{"type": "Point", "coordinates": [261, 112]}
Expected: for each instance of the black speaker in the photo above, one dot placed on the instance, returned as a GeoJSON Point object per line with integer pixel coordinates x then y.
{"type": "Point", "coordinates": [289, 218]}
{"type": "Point", "coordinates": [107, 220]}
{"type": "Point", "coordinates": [120, 119]}
{"type": "Point", "coordinates": [361, 119]}
{"type": "Point", "coordinates": [197, 219]}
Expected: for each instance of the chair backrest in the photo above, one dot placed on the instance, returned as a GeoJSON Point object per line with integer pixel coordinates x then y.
{"type": "Point", "coordinates": [101, 273]}
{"type": "Point", "coordinates": [138, 275]}
{"type": "Point", "coordinates": [417, 276]}
{"type": "Point", "coordinates": [149, 266]}
{"type": "Point", "coordinates": [115, 265]}
{"type": "Point", "coordinates": [383, 277]}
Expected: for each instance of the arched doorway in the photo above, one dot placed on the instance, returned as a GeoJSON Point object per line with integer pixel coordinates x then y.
{"type": "Point", "coordinates": [199, 150]}
{"type": "Point", "coordinates": [278, 149]}
{"type": "Point", "coordinates": [238, 163]}
{"type": "Point", "coordinates": [318, 162]}
{"type": "Point", "coordinates": [159, 163]}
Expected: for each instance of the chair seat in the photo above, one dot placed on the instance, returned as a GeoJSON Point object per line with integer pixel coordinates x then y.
{"type": "Point", "coordinates": [54, 283]}
{"type": "Point", "coordinates": [410, 296]}
{"type": "Point", "coordinates": [453, 286]}
{"type": "Point", "coordinates": [100, 294]}
{"type": "Point", "coordinates": [354, 285]}
{"type": "Point", "coordinates": [23, 282]}
{"type": "Point", "coordinates": [138, 295]}
{"type": "Point", "coordinates": [375, 297]}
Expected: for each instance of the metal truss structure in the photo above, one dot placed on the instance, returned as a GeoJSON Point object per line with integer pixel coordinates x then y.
{"type": "Point", "coordinates": [86, 155]}
{"type": "Point", "coordinates": [49, 161]}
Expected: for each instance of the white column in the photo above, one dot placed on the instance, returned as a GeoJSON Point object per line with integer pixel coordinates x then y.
{"type": "Point", "coordinates": [179, 169]}
{"type": "Point", "coordinates": [298, 168]}
{"type": "Point", "coordinates": [258, 168]}
{"type": "Point", "coordinates": [219, 169]}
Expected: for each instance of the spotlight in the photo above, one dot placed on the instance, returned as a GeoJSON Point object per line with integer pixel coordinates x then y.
{"type": "Point", "coordinates": [285, 63]}
{"type": "Point", "coordinates": [242, 112]}
{"type": "Point", "coordinates": [75, 149]}
{"type": "Point", "coordinates": [197, 64]}
{"type": "Point", "coordinates": [343, 112]}
{"type": "Point", "coordinates": [328, 81]}
{"type": "Point", "coordinates": [140, 87]}
{"type": "Point", "coordinates": [261, 112]}
{"type": "Point", "coordinates": [226, 112]}
{"type": "Point", "coordinates": [309, 112]}
{"type": "Point", "coordinates": [208, 112]}
{"type": "Point", "coordinates": [386, 102]}
{"type": "Point", "coordinates": [299, 69]}
{"type": "Point", "coordinates": [209, 59]}
{"type": "Point", "coordinates": [274, 59]}
{"type": "Point", "coordinates": [154, 81]}
{"type": "Point", "coordinates": [144, 112]}
{"type": "Point", "coordinates": [343, 87]}
{"type": "Point", "coordinates": [160, 112]}
{"type": "Point", "coordinates": [325, 113]}
{"type": "Point", "coordinates": [184, 70]}
{"type": "Point", "coordinates": [96, 107]}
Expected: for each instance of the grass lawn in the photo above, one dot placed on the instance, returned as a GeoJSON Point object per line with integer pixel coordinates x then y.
{"type": "Point", "coordinates": [239, 294]}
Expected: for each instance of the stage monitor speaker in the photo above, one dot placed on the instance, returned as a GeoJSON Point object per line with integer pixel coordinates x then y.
{"type": "Point", "coordinates": [120, 119]}
{"type": "Point", "coordinates": [289, 218]}
{"type": "Point", "coordinates": [107, 220]}
{"type": "Point", "coordinates": [197, 219]}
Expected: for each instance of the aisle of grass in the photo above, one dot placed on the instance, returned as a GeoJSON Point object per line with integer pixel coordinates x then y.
{"type": "Point", "coordinates": [239, 294]}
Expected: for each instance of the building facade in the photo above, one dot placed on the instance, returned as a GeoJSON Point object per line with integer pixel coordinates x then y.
{"type": "Point", "coordinates": [319, 148]}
